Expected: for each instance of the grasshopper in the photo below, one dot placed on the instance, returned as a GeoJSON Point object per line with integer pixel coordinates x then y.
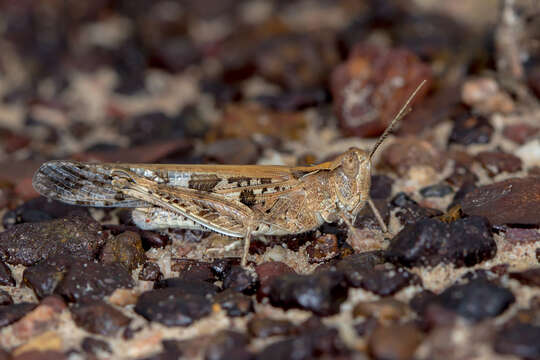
{"type": "Point", "coordinates": [237, 201]}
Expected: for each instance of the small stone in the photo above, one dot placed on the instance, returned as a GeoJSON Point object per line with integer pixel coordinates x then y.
{"type": "Point", "coordinates": [354, 267]}
{"type": "Point", "coordinates": [95, 346]}
{"type": "Point", "coordinates": [232, 151]}
{"type": "Point", "coordinates": [410, 211]}
{"type": "Point", "coordinates": [437, 190]}
{"type": "Point", "coordinates": [45, 316]}
{"type": "Point", "coordinates": [41, 355]}
{"type": "Point", "coordinates": [322, 293]}
{"type": "Point", "coordinates": [530, 277]}
{"type": "Point", "coordinates": [396, 342]}
{"type": "Point", "coordinates": [262, 327]}
{"type": "Point", "coordinates": [221, 267]}
{"type": "Point", "coordinates": [520, 133]}
{"type": "Point", "coordinates": [386, 279]}
{"type": "Point", "coordinates": [241, 280]}
{"type": "Point", "coordinates": [267, 272]}
{"type": "Point", "coordinates": [13, 312]}
{"type": "Point", "coordinates": [403, 154]}
{"type": "Point", "coordinates": [195, 287]}
{"type": "Point", "coordinates": [5, 298]}
{"type": "Point", "coordinates": [323, 248]}
{"type": "Point", "coordinates": [125, 248]}
{"type": "Point", "coordinates": [29, 243]}
{"type": "Point", "coordinates": [386, 309]}
{"type": "Point", "coordinates": [520, 340]}
{"type": "Point", "coordinates": [45, 276]}
{"type": "Point", "coordinates": [366, 95]}
{"type": "Point", "coordinates": [476, 300]}
{"type": "Point", "coordinates": [496, 162]}
{"type": "Point", "coordinates": [381, 187]}
{"type": "Point", "coordinates": [172, 306]}
{"type": "Point", "coordinates": [517, 235]}
{"type": "Point", "coordinates": [193, 270]}
{"type": "Point", "coordinates": [234, 303]}
{"type": "Point", "coordinates": [227, 344]}
{"type": "Point", "coordinates": [471, 129]}
{"type": "Point", "coordinates": [485, 96]}
{"type": "Point", "coordinates": [150, 272]}
{"type": "Point", "coordinates": [294, 100]}
{"type": "Point", "coordinates": [98, 317]}
{"type": "Point", "coordinates": [464, 242]}
{"type": "Point", "coordinates": [6, 279]}
{"type": "Point", "coordinates": [44, 346]}
{"type": "Point", "coordinates": [512, 201]}
{"type": "Point", "coordinates": [90, 280]}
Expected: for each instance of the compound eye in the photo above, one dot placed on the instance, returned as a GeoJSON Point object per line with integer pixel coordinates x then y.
{"type": "Point", "coordinates": [350, 164]}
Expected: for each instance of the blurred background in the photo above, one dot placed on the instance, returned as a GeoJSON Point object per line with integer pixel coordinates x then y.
{"type": "Point", "coordinates": [243, 82]}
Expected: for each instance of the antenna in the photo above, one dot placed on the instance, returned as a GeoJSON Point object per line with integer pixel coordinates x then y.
{"type": "Point", "coordinates": [402, 112]}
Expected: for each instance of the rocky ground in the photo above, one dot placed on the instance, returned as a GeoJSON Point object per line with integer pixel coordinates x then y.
{"type": "Point", "coordinates": [275, 82]}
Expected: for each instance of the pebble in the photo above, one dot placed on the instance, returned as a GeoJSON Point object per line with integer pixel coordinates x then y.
{"type": "Point", "coordinates": [512, 201]}
{"type": "Point", "coordinates": [13, 312]}
{"type": "Point", "coordinates": [471, 129]}
{"type": "Point", "coordinates": [323, 248]}
{"type": "Point", "coordinates": [193, 270]}
{"type": "Point", "coordinates": [45, 316]}
{"type": "Point", "coordinates": [294, 100]}
{"type": "Point", "coordinates": [172, 306]}
{"type": "Point", "coordinates": [385, 309]}
{"type": "Point", "coordinates": [437, 190]}
{"type": "Point", "coordinates": [519, 339]}
{"type": "Point", "coordinates": [267, 272]}
{"type": "Point", "coordinates": [381, 187]}
{"type": "Point", "coordinates": [476, 300]}
{"type": "Point", "coordinates": [5, 298]}
{"type": "Point", "coordinates": [91, 280]}
{"type": "Point", "coordinates": [241, 280]}
{"type": "Point", "coordinates": [520, 133]}
{"type": "Point", "coordinates": [366, 94]}
{"type": "Point", "coordinates": [496, 162]}
{"type": "Point", "coordinates": [395, 342]}
{"type": "Point", "coordinates": [150, 272]}
{"type": "Point", "coordinates": [518, 235]}
{"type": "Point", "coordinates": [386, 279]}
{"type": "Point", "coordinates": [6, 279]}
{"type": "Point", "coordinates": [221, 267]}
{"type": "Point", "coordinates": [196, 287]}
{"type": "Point", "coordinates": [227, 344]}
{"type": "Point", "coordinates": [409, 211]}
{"type": "Point", "coordinates": [263, 327]}
{"type": "Point", "coordinates": [429, 242]}
{"type": "Point", "coordinates": [44, 277]}
{"type": "Point", "coordinates": [365, 218]}
{"type": "Point", "coordinates": [29, 243]}
{"type": "Point", "coordinates": [125, 248]}
{"type": "Point", "coordinates": [355, 266]}
{"type": "Point", "coordinates": [405, 153]}
{"type": "Point", "coordinates": [529, 277]}
{"type": "Point", "coordinates": [98, 317]}
{"type": "Point", "coordinates": [94, 346]}
{"type": "Point", "coordinates": [322, 293]}
{"type": "Point", "coordinates": [234, 303]}
{"type": "Point", "coordinates": [484, 95]}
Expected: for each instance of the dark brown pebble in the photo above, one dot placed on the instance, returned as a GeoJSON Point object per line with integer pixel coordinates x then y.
{"type": "Point", "coordinates": [5, 298]}
{"type": "Point", "coordinates": [40, 209]}
{"type": "Point", "coordinates": [323, 342]}
{"type": "Point", "coordinates": [355, 266]}
{"type": "Point", "coordinates": [262, 327]}
{"type": "Point", "coordinates": [395, 342]}
{"type": "Point", "coordinates": [94, 346]}
{"type": "Point", "coordinates": [222, 92]}
{"type": "Point", "coordinates": [464, 242]}
{"type": "Point", "coordinates": [496, 162]}
{"type": "Point", "coordinates": [6, 279]}
{"type": "Point", "coordinates": [385, 309]}
{"type": "Point", "coordinates": [172, 306]}
{"type": "Point", "coordinates": [193, 270]}
{"type": "Point", "coordinates": [4, 355]}
{"type": "Point", "coordinates": [381, 187]}
{"type": "Point", "coordinates": [241, 280]}
{"type": "Point", "coordinates": [227, 344]}
{"type": "Point", "coordinates": [13, 312]}
{"type": "Point", "coordinates": [90, 280]}
{"type": "Point", "coordinates": [45, 276]}
{"type": "Point", "coordinates": [365, 327]}
{"type": "Point", "coordinates": [323, 248]}
{"type": "Point", "coordinates": [125, 249]}
{"type": "Point", "coordinates": [175, 54]}
{"type": "Point", "coordinates": [410, 211]}
{"type": "Point", "coordinates": [405, 153]}
{"type": "Point", "coordinates": [98, 317]}
{"type": "Point", "coordinates": [471, 129]}
{"type": "Point", "coordinates": [266, 273]}
{"type": "Point", "coordinates": [221, 267]}
{"type": "Point", "coordinates": [154, 239]}
{"type": "Point", "coordinates": [150, 272]}
{"type": "Point", "coordinates": [29, 243]}
{"type": "Point", "coordinates": [153, 126]}
{"type": "Point", "coordinates": [363, 86]}
{"type": "Point", "coordinates": [234, 303]}
{"type": "Point", "coordinates": [386, 279]}
{"type": "Point", "coordinates": [41, 355]}
{"type": "Point", "coordinates": [294, 100]}
{"type": "Point", "coordinates": [367, 220]}
{"type": "Point", "coordinates": [520, 235]}
{"type": "Point", "coordinates": [195, 287]}
{"type": "Point", "coordinates": [437, 190]}
{"type": "Point", "coordinates": [437, 316]}
{"type": "Point", "coordinates": [512, 201]}
{"type": "Point", "coordinates": [322, 293]}
{"type": "Point", "coordinates": [476, 300]}
{"type": "Point", "coordinates": [530, 277]}
{"type": "Point", "coordinates": [520, 133]}
{"type": "Point", "coordinates": [232, 151]}
{"type": "Point", "coordinates": [520, 340]}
